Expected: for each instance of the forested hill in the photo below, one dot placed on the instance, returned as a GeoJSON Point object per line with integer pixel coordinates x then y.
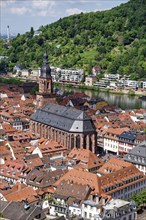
{"type": "Point", "coordinates": [114, 39]}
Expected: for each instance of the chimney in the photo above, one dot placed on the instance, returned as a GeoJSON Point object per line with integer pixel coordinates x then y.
{"type": "Point", "coordinates": [19, 186]}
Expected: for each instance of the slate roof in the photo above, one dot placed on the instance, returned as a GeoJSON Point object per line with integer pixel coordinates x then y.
{"type": "Point", "coordinates": [15, 210]}
{"type": "Point", "coordinates": [72, 190]}
{"type": "Point", "coordinates": [140, 152]}
{"type": "Point", "coordinates": [44, 178]}
{"type": "Point", "coordinates": [128, 135]}
{"type": "Point", "coordinates": [64, 118]}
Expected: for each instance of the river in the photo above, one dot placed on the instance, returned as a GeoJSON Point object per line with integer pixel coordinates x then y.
{"type": "Point", "coordinates": [121, 101]}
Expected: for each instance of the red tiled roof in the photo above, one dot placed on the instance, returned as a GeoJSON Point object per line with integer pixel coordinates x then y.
{"type": "Point", "coordinates": [113, 165]}
{"type": "Point", "coordinates": [82, 177]}
{"type": "Point", "coordinates": [21, 194]}
{"type": "Point", "coordinates": [88, 160]}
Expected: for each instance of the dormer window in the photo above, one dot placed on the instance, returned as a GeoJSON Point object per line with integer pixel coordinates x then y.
{"type": "Point", "coordinates": [12, 167]}
{"type": "Point", "coordinates": [38, 182]}
{"type": "Point", "coordinates": [32, 178]}
{"type": "Point", "coordinates": [135, 158]}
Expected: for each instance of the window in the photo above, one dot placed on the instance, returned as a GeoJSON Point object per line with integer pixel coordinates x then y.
{"type": "Point", "coordinates": [130, 217]}
{"type": "Point", "coordinates": [90, 215]}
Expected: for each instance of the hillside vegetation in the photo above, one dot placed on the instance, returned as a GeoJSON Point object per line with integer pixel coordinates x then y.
{"type": "Point", "coordinates": [115, 40]}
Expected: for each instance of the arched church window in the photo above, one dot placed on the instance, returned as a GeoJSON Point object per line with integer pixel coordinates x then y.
{"type": "Point", "coordinates": [84, 142]}
{"type": "Point", "coordinates": [90, 143]}
{"type": "Point", "coordinates": [78, 141]}
{"type": "Point", "coordinates": [72, 141]}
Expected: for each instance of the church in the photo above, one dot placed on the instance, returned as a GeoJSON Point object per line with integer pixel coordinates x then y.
{"type": "Point", "coordinates": [67, 126]}
{"type": "Point", "coordinates": [45, 93]}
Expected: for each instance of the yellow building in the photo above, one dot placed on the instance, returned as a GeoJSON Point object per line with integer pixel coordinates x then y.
{"type": "Point", "coordinates": [90, 80]}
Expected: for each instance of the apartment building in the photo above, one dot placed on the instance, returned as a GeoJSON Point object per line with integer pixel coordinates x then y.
{"type": "Point", "coordinates": [126, 141]}
{"type": "Point", "coordinates": [119, 210]}
{"type": "Point", "coordinates": [120, 184]}
{"type": "Point", "coordinates": [137, 156]}
{"type": "Point", "coordinates": [90, 80]}
{"type": "Point", "coordinates": [84, 159]}
{"type": "Point", "coordinates": [111, 140]}
{"type": "Point", "coordinates": [123, 183]}
{"type": "Point", "coordinates": [11, 170]}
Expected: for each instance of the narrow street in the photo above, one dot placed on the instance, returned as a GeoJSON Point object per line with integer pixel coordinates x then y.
{"type": "Point", "coordinates": [142, 216]}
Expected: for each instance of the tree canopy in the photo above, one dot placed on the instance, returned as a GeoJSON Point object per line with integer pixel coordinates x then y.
{"type": "Point", "coordinates": [140, 198]}
{"type": "Point", "coordinates": [113, 39]}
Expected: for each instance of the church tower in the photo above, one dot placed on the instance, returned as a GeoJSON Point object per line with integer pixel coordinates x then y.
{"type": "Point", "coordinates": [45, 79]}
{"type": "Point", "coordinates": [45, 94]}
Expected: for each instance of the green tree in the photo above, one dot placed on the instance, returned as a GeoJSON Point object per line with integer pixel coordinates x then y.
{"type": "Point", "coordinates": [3, 65]}
{"type": "Point", "coordinates": [140, 198]}
{"type": "Point", "coordinates": [89, 68]}
{"type": "Point", "coordinates": [117, 45]}
{"type": "Point", "coordinates": [1, 215]}
{"type": "Point", "coordinates": [34, 90]}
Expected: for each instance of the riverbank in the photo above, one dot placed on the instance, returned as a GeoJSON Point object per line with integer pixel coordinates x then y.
{"type": "Point", "coordinates": [121, 99]}
{"type": "Point", "coordinates": [129, 92]}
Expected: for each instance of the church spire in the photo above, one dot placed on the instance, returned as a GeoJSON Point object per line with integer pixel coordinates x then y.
{"type": "Point", "coordinates": [45, 69]}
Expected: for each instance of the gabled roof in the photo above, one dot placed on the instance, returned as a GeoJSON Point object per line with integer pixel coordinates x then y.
{"type": "Point", "coordinates": [117, 131]}
{"type": "Point", "coordinates": [64, 118]}
{"type": "Point", "coordinates": [113, 165]}
{"type": "Point", "coordinates": [139, 150]}
{"type": "Point", "coordinates": [82, 177]}
{"type": "Point", "coordinates": [8, 128]}
{"type": "Point", "coordinates": [21, 194]}
{"type": "Point", "coordinates": [12, 168]}
{"type": "Point", "coordinates": [50, 147]}
{"type": "Point", "coordinates": [43, 178]}
{"type": "Point", "coordinates": [120, 177]}
{"type": "Point", "coordinates": [116, 180]}
{"type": "Point", "coordinates": [74, 190]}
{"type": "Point", "coordinates": [86, 158]}
{"type": "Point", "coordinates": [16, 210]}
